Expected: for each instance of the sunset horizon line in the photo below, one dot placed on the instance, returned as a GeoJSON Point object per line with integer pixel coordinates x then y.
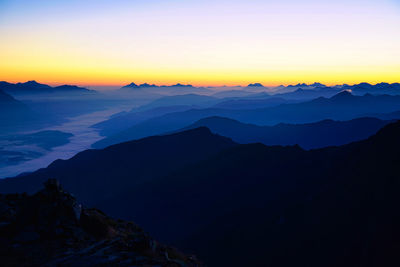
{"type": "Point", "coordinates": [170, 84]}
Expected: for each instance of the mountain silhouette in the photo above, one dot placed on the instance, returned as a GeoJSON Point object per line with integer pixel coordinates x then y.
{"type": "Point", "coordinates": [358, 89]}
{"type": "Point", "coordinates": [309, 136]}
{"type": "Point", "coordinates": [245, 103]}
{"type": "Point", "coordinates": [379, 88]}
{"type": "Point", "coordinates": [121, 122]}
{"type": "Point", "coordinates": [303, 93]}
{"type": "Point", "coordinates": [247, 205]}
{"type": "Point", "coordinates": [146, 85]}
{"type": "Point", "coordinates": [164, 152]}
{"type": "Point", "coordinates": [13, 113]}
{"type": "Point", "coordinates": [72, 88]}
{"type": "Point", "coordinates": [130, 86]}
{"type": "Point", "coordinates": [343, 106]}
{"type": "Point", "coordinates": [255, 85]}
{"type": "Point", "coordinates": [186, 99]}
{"type": "Point", "coordinates": [156, 108]}
{"type": "Point", "coordinates": [33, 87]}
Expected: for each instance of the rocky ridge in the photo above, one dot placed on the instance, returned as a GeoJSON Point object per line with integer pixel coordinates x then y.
{"type": "Point", "coordinates": [50, 228]}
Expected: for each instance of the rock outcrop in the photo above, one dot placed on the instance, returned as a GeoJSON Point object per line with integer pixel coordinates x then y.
{"type": "Point", "coordinates": [50, 228]}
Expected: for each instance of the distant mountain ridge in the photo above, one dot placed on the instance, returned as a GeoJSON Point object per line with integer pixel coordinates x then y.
{"type": "Point", "coordinates": [120, 122]}
{"type": "Point", "coordinates": [251, 103]}
{"type": "Point", "coordinates": [360, 89]}
{"type": "Point", "coordinates": [35, 87]}
{"type": "Point", "coordinates": [146, 85]}
{"type": "Point", "coordinates": [158, 107]}
{"type": "Point", "coordinates": [308, 136]}
{"type": "Point", "coordinates": [343, 106]}
{"type": "Point", "coordinates": [381, 88]}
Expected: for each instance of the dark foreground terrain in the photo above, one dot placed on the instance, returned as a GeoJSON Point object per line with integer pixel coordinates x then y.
{"type": "Point", "coordinates": [50, 228]}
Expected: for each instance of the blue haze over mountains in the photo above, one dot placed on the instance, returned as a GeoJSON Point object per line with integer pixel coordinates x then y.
{"type": "Point", "coordinates": [238, 176]}
{"type": "Point", "coordinates": [342, 106]}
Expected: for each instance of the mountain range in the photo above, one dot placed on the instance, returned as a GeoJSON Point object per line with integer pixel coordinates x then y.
{"type": "Point", "coordinates": [246, 205]}
{"type": "Point", "coordinates": [342, 106]}
{"type": "Point", "coordinates": [146, 85]}
{"type": "Point", "coordinates": [251, 103]}
{"type": "Point", "coordinates": [156, 108]}
{"type": "Point", "coordinates": [119, 122]}
{"type": "Point", "coordinates": [379, 88]}
{"type": "Point", "coordinates": [308, 136]}
{"type": "Point", "coordinates": [33, 87]}
{"type": "Point", "coordinates": [175, 89]}
{"type": "Point", "coordinates": [361, 88]}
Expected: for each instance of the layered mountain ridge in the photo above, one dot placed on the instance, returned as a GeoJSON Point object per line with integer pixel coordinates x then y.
{"type": "Point", "coordinates": [247, 205]}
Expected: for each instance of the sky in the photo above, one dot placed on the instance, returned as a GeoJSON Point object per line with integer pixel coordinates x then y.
{"type": "Point", "coordinates": [208, 42]}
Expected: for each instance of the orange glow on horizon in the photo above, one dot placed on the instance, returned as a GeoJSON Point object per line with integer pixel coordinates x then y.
{"type": "Point", "coordinates": [202, 43]}
{"type": "Point", "coordinates": [204, 78]}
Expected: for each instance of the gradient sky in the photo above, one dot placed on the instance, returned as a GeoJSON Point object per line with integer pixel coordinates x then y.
{"type": "Point", "coordinates": [208, 42]}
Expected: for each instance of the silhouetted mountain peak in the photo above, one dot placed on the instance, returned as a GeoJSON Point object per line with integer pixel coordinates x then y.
{"type": "Point", "coordinates": [255, 85]}
{"type": "Point", "coordinates": [35, 87]}
{"type": "Point", "coordinates": [298, 85]}
{"type": "Point", "coordinates": [180, 85]}
{"type": "Point", "coordinates": [318, 85]}
{"type": "Point", "coordinates": [145, 85]}
{"type": "Point", "coordinates": [132, 85]}
{"type": "Point", "coordinates": [33, 82]}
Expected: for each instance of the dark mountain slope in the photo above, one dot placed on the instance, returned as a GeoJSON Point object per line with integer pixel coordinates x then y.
{"type": "Point", "coordinates": [9, 102]}
{"type": "Point", "coordinates": [13, 113]}
{"type": "Point", "coordinates": [311, 135]}
{"type": "Point", "coordinates": [344, 216]}
{"type": "Point", "coordinates": [248, 205]}
{"type": "Point", "coordinates": [94, 175]}
{"type": "Point", "coordinates": [253, 205]}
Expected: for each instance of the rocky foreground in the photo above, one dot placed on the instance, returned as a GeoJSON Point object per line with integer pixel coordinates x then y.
{"type": "Point", "coordinates": [50, 228]}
